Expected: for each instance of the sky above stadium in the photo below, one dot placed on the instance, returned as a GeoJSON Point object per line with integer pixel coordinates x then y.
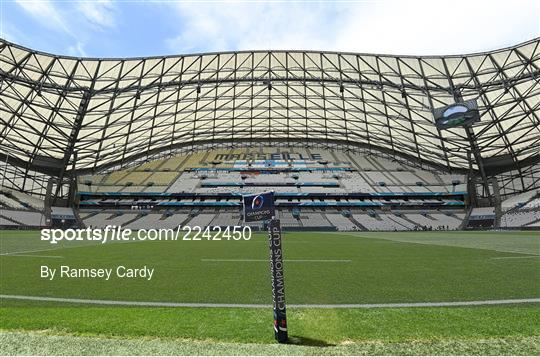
{"type": "Point", "coordinates": [145, 28]}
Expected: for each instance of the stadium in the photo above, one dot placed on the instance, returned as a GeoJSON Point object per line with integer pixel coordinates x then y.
{"type": "Point", "coordinates": [385, 214]}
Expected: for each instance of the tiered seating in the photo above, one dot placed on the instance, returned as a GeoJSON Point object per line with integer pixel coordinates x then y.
{"type": "Point", "coordinates": [341, 222]}
{"type": "Point", "coordinates": [403, 177]}
{"type": "Point", "coordinates": [134, 178]}
{"type": "Point", "coordinates": [184, 183]}
{"type": "Point", "coordinates": [161, 178]}
{"type": "Point", "coordinates": [101, 220]}
{"type": "Point", "coordinates": [341, 157]}
{"type": "Point", "coordinates": [173, 163]}
{"type": "Point", "coordinates": [194, 160]}
{"type": "Point", "coordinates": [287, 219]}
{"type": "Point", "coordinates": [355, 183]}
{"type": "Point", "coordinates": [202, 220]}
{"type": "Point", "coordinates": [314, 189]}
{"type": "Point", "coordinates": [269, 179]}
{"type": "Point", "coordinates": [361, 162]}
{"type": "Point", "coordinates": [518, 200]}
{"type": "Point", "coordinates": [157, 221]}
{"type": "Point", "coordinates": [316, 176]}
{"type": "Point", "coordinates": [520, 218]}
{"type": "Point", "coordinates": [111, 188]}
{"type": "Point", "coordinates": [226, 219]}
{"type": "Point", "coordinates": [113, 177]}
{"type": "Point", "coordinates": [151, 165]}
{"type": "Point", "coordinates": [26, 218]}
{"type": "Point", "coordinates": [532, 204]}
{"type": "Point", "coordinates": [27, 200]}
{"type": "Point", "coordinates": [457, 188]}
{"type": "Point", "coordinates": [386, 164]}
{"type": "Point", "coordinates": [9, 202]}
{"type": "Point", "coordinates": [427, 177]}
{"type": "Point", "coordinates": [89, 183]}
{"type": "Point", "coordinates": [376, 177]}
{"type": "Point", "coordinates": [312, 176]}
{"type": "Point", "coordinates": [155, 176]}
{"type": "Point", "coordinates": [383, 222]}
{"type": "Point", "coordinates": [135, 189]}
{"type": "Point", "coordinates": [314, 219]}
{"type": "Point", "coordinates": [7, 223]}
{"type": "Point", "coordinates": [436, 220]}
{"type": "Point", "coordinates": [449, 178]}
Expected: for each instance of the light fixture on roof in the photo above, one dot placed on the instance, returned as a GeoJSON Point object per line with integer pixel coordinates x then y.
{"type": "Point", "coordinates": [341, 88]}
{"type": "Point", "coordinates": [138, 95]}
{"type": "Point", "coordinates": [403, 93]}
{"type": "Point", "coordinates": [506, 86]}
{"type": "Point", "coordinates": [198, 89]}
{"type": "Point", "coordinates": [38, 90]}
{"type": "Point", "coordinates": [268, 84]}
{"type": "Point", "coordinates": [457, 95]}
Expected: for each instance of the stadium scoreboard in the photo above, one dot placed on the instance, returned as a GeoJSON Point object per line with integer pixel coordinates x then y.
{"type": "Point", "coordinates": [458, 114]}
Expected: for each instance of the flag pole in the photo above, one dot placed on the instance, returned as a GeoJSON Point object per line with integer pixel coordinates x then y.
{"type": "Point", "coordinates": [278, 282]}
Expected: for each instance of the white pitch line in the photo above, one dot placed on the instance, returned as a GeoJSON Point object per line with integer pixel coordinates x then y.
{"type": "Point", "coordinates": [518, 257]}
{"type": "Point", "coordinates": [35, 256]}
{"type": "Point", "coordinates": [285, 260]}
{"type": "Point", "coordinates": [265, 306]}
{"type": "Point", "coordinates": [31, 251]}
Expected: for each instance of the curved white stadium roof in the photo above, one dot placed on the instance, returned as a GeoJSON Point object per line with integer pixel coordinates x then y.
{"type": "Point", "coordinates": [111, 111]}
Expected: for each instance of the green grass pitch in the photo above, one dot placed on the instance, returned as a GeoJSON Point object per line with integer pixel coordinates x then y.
{"type": "Point", "coordinates": [320, 268]}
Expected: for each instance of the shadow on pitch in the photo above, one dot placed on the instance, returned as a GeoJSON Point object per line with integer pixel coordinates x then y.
{"type": "Point", "coordinates": [306, 341]}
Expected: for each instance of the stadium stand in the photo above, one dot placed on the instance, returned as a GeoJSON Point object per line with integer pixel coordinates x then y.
{"type": "Point", "coordinates": [9, 202]}
{"type": "Point", "coordinates": [520, 219]}
{"type": "Point", "coordinates": [101, 220]}
{"type": "Point", "coordinates": [215, 179]}
{"type": "Point", "coordinates": [157, 220]}
{"type": "Point", "coordinates": [517, 201]}
{"type": "Point", "coordinates": [383, 222]}
{"type": "Point", "coordinates": [223, 219]}
{"type": "Point", "coordinates": [314, 219]}
{"type": "Point", "coordinates": [202, 219]}
{"type": "Point", "coordinates": [318, 163]}
{"type": "Point", "coordinates": [341, 222]}
{"type": "Point", "coordinates": [437, 221]}
{"type": "Point", "coordinates": [185, 183]}
{"type": "Point", "coordinates": [25, 218]}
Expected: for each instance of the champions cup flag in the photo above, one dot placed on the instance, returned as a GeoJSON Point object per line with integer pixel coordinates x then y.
{"type": "Point", "coordinates": [261, 208]}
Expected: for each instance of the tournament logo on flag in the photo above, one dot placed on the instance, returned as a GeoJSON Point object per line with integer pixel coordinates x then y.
{"type": "Point", "coordinates": [259, 207]}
